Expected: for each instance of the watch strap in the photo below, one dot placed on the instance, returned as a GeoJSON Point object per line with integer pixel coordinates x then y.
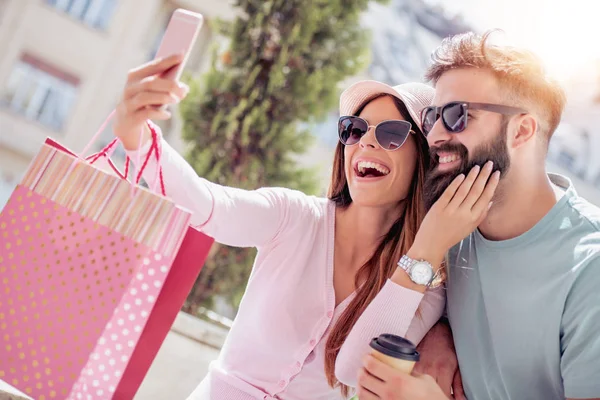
{"type": "Point", "coordinates": [439, 277]}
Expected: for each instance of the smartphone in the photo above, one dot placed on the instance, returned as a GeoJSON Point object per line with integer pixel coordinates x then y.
{"type": "Point", "coordinates": [179, 37]}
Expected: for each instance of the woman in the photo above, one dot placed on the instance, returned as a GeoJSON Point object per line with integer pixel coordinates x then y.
{"type": "Point", "coordinates": [325, 279]}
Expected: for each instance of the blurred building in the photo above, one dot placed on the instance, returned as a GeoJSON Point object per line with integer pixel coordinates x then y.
{"type": "Point", "coordinates": [64, 64]}
{"type": "Point", "coordinates": [405, 32]}
{"type": "Point", "coordinates": [577, 139]}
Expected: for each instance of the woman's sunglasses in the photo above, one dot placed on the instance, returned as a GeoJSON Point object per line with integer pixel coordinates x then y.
{"type": "Point", "coordinates": [455, 114]}
{"type": "Point", "coordinates": [390, 135]}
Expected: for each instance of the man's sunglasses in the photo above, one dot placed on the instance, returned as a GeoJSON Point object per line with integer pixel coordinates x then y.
{"type": "Point", "coordinates": [455, 114]}
{"type": "Point", "coordinates": [390, 135]}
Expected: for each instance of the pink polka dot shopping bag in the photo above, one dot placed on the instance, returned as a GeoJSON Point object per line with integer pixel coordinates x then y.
{"type": "Point", "coordinates": [93, 271]}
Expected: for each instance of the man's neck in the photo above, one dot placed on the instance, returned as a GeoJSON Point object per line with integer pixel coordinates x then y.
{"type": "Point", "coordinates": [522, 202]}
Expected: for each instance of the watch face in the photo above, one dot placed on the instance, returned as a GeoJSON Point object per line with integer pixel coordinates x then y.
{"type": "Point", "coordinates": [421, 273]}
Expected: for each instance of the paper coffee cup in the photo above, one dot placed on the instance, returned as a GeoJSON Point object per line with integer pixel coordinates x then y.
{"type": "Point", "coordinates": [395, 351]}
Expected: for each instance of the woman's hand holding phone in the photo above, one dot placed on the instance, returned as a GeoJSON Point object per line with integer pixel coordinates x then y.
{"type": "Point", "coordinates": [154, 85]}
{"type": "Point", "coordinates": [144, 97]}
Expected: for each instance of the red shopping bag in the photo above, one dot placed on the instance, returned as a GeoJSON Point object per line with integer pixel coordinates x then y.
{"type": "Point", "coordinates": [93, 271]}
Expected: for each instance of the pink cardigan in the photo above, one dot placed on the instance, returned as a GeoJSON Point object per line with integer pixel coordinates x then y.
{"type": "Point", "coordinates": [275, 347]}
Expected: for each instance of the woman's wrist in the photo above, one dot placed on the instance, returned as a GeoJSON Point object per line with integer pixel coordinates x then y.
{"type": "Point", "coordinates": [401, 277]}
{"type": "Point", "coordinates": [136, 141]}
{"type": "Point", "coordinates": [420, 252]}
{"type": "Point", "coordinates": [433, 256]}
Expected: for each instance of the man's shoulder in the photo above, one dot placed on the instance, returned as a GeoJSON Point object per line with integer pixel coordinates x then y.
{"type": "Point", "coordinates": [577, 207]}
{"type": "Point", "coordinates": [582, 227]}
{"type": "Point", "coordinates": [587, 212]}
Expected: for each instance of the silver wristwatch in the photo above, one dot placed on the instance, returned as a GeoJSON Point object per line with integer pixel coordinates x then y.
{"type": "Point", "coordinates": [421, 272]}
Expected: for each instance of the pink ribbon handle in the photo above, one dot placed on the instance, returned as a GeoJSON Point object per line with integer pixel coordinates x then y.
{"type": "Point", "coordinates": [107, 151]}
{"type": "Point", "coordinates": [156, 148]}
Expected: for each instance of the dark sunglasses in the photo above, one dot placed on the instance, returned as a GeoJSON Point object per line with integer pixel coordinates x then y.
{"type": "Point", "coordinates": [390, 135]}
{"type": "Point", "coordinates": [455, 114]}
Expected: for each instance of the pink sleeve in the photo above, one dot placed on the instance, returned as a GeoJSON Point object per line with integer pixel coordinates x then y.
{"type": "Point", "coordinates": [232, 216]}
{"type": "Point", "coordinates": [391, 311]}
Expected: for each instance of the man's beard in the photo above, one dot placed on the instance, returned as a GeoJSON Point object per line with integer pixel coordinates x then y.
{"type": "Point", "coordinates": [437, 181]}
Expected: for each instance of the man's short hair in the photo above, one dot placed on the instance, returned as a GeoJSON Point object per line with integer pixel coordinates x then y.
{"type": "Point", "coordinates": [520, 73]}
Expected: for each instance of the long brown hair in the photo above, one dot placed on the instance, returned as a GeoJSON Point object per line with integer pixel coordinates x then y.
{"type": "Point", "coordinates": [382, 264]}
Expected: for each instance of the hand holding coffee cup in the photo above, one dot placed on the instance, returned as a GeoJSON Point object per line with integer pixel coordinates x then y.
{"type": "Point", "coordinates": [391, 357]}
{"type": "Point", "coordinates": [395, 351]}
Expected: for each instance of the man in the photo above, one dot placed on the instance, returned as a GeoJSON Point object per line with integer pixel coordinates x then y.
{"type": "Point", "coordinates": [524, 288]}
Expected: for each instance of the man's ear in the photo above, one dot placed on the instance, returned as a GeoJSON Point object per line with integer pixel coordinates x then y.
{"type": "Point", "coordinates": [525, 129]}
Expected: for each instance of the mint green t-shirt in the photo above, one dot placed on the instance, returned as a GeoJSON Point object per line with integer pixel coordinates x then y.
{"type": "Point", "coordinates": [525, 312]}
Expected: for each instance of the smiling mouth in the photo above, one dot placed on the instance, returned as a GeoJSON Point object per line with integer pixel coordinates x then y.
{"type": "Point", "coordinates": [369, 169]}
{"type": "Point", "coordinates": [448, 159]}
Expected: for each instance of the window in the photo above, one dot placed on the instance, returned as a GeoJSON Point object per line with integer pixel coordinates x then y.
{"type": "Point", "coordinates": [95, 13]}
{"type": "Point", "coordinates": [40, 92]}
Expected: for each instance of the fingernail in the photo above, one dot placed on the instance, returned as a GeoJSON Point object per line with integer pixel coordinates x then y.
{"type": "Point", "coordinates": [489, 165]}
{"type": "Point", "coordinates": [490, 205]}
{"type": "Point", "coordinates": [185, 88]}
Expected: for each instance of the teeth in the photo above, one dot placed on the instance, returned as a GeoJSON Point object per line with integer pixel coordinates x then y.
{"type": "Point", "coordinates": [448, 159]}
{"type": "Point", "coordinates": [363, 165]}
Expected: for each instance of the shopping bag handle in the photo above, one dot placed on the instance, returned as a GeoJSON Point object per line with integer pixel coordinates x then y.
{"type": "Point", "coordinates": [107, 151]}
